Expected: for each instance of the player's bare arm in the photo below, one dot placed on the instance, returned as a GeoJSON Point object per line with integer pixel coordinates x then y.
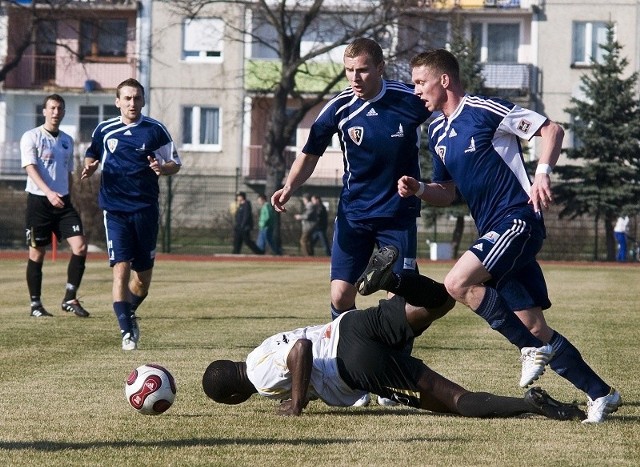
{"type": "Point", "coordinates": [90, 166]}
{"type": "Point", "coordinates": [436, 194]}
{"type": "Point", "coordinates": [300, 363]}
{"type": "Point", "coordinates": [54, 197]}
{"type": "Point", "coordinates": [168, 168]}
{"type": "Point", "coordinates": [301, 170]}
{"type": "Point", "coordinates": [552, 134]}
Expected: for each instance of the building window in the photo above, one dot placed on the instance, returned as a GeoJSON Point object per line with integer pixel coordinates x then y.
{"type": "Point", "coordinates": [203, 39]}
{"type": "Point", "coordinates": [90, 116]}
{"type": "Point", "coordinates": [587, 37]}
{"type": "Point", "coordinates": [201, 128]}
{"type": "Point", "coordinates": [103, 38]}
{"type": "Point", "coordinates": [496, 42]}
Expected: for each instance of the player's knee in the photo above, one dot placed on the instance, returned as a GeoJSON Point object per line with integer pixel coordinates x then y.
{"type": "Point", "coordinates": [455, 287]}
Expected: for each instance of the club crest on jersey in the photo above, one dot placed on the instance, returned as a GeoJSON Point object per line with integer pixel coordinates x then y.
{"type": "Point", "coordinates": [356, 133]}
{"type": "Point", "coordinates": [441, 151]}
{"type": "Point", "coordinates": [111, 144]}
{"type": "Point", "coordinates": [524, 126]}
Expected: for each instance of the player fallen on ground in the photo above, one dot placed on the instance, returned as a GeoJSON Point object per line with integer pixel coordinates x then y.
{"type": "Point", "coordinates": [362, 351]}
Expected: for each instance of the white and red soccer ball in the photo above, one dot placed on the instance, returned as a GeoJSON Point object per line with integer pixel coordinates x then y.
{"type": "Point", "coordinates": [150, 389]}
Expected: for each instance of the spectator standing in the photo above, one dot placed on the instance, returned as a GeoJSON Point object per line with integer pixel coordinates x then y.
{"type": "Point", "coordinates": [309, 220]}
{"type": "Point", "coordinates": [620, 231]}
{"type": "Point", "coordinates": [320, 232]}
{"type": "Point", "coordinates": [243, 225]}
{"type": "Point", "coordinates": [47, 157]}
{"type": "Point", "coordinates": [266, 221]}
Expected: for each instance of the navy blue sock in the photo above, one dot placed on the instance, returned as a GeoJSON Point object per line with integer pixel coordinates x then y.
{"type": "Point", "coordinates": [335, 312]}
{"type": "Point", "coordinates": [495, 311]}
{"type": "Point", "coordinates": [136, 300]}
{"type": "Point", "coordinates": [568, 363]}
{"type": "Point", "coordinates": [123, 313]}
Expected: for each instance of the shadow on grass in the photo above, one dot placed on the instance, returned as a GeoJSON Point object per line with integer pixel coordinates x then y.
{"type": "Point", "coordinates": [53, 446]}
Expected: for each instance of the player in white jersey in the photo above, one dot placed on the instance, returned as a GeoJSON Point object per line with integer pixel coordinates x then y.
{"type": "Point", "coordinates": [363, 351]}
{"type": "Point", "coordinates": [47, 157]}
{"type": "Point", "coordinates": [476, 148]}
{"type": "Point", "coordinates": [133, 151]}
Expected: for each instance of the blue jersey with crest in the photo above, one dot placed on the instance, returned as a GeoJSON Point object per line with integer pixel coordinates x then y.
{"type": "Point", "coordinates": [128, 183]}
{"type": "Point", "coordinates": [380, 140]}
{"type": "Point", "coordinates": [478, 148]}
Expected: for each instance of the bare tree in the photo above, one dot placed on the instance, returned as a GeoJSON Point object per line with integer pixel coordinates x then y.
{"type": "Point", "coordinates": [280, 28]}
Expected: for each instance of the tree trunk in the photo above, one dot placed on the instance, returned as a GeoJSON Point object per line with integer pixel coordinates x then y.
{"type": "Point", "coordinates": [611, 240]}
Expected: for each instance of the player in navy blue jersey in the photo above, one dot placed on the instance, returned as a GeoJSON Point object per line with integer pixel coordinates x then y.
{"type": "Point", "coordinates": [476, 148]}
{"type": "Point", "coordinates": [133, 151]}
{"type": "Point", "coordinates": [378, 124]}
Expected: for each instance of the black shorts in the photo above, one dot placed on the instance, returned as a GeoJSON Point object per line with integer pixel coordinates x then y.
{"type": "Point", "coordinates": [372, 353]}
{"type": "Point", "coordinates": [42, 219]}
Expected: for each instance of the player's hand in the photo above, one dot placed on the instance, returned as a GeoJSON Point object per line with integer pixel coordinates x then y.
{"type": "Point", "coordinates": [89, 169]}
{"type": "Point", "coordinates": [154, 165]}
{"type": "Point", "coordinates": [280, 198]}
{"type": "Point", "coordinates": [407, 186]}
{"type": "Point", "coordinates": [55, 199]}
{"type": "Point", "coordinates": [289, 409]}
{"type": "Point", "coordinates": [541, 196]}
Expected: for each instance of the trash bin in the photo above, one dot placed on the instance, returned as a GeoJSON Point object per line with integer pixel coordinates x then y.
{"type": "Point", "coordinates": [441, 251]}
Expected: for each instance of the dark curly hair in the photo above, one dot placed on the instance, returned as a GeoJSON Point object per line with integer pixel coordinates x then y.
{"type": "Point", "coordinates": [226, 382]}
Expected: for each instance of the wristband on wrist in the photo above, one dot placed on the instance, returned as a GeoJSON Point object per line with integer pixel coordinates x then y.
{"type": "Point", "coordinates": [421, 187]}
{"type": "Point", "coordinates": [544, 169]}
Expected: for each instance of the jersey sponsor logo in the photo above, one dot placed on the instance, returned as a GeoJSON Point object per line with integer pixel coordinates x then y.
{"type": "Point", "coordinates": [142, 148]}
{"type": "Point", "coordinates": [372, 113]}
{"type": "Point", "coordinates": [491, 236]}
{"type": "Point", "coordinates": [477, 246]}
{"type": "Point", "coordinates": [112, 143]}
{"type": "Point", "coordinates": [356, 134]}
{"type": "Point", "coordinates": [524, 126]}
{"type": "Point", "coordinates": [441, 151]}
{"type": "Point", "coordinates": [472, 146]}
{"type": "Point", "coordinates": [65, 145]}
{"type": "Point", "coordinates": [127, 133]}
{"type": "Point", "coordinates": [399, 133]}
{"type": "Point", "coordinates": [453, 133]}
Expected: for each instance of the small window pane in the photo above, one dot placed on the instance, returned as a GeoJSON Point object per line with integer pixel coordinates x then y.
{"type": "Point", "coordinates": [186, 125]}
{"type": "Point", "coordinates": [209, 119]}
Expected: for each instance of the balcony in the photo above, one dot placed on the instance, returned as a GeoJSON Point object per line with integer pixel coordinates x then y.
{"type": "Point", "coordinates": [508, 78]}
{"type": "Point", "coordinates": [50, 72]}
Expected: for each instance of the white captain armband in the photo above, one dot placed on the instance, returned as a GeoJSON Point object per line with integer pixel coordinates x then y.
{"type": "Point", "coordinates": [544, 169]}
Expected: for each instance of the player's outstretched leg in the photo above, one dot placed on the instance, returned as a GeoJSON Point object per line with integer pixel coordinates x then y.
{"type": "Point", "coordinates": [551, 408]}
{"type": "Point", "coordinates": [379, 271]}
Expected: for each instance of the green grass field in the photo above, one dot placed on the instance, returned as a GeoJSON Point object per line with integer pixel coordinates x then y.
{"type": "Point", "coordinates": [62, 379]}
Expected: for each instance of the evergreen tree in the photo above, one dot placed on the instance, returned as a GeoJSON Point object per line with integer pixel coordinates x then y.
{"type": "Point", "coordinates": [604, 181]}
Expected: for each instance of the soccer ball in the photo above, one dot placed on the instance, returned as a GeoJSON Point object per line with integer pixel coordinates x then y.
{"type": "Point", "coordinates": [150, 389]}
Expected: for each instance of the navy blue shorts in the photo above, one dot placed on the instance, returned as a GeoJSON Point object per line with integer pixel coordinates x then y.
{"type": "Point", "coordinates": [42, 219]}
{"type": "Point", "coordinates": [355, 241]}
{"type": "Point", "coordinates": [372, 354]}
{"type": "Point", "coordinates": [132, 237]}
{"type": "Point", "coordinates": [508, 253]}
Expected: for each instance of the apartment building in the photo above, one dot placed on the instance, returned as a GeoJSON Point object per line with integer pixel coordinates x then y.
{"type": "Point", "coordinates": [82, 52]}
{"type": "Point", "coordinates": [200, 73]}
